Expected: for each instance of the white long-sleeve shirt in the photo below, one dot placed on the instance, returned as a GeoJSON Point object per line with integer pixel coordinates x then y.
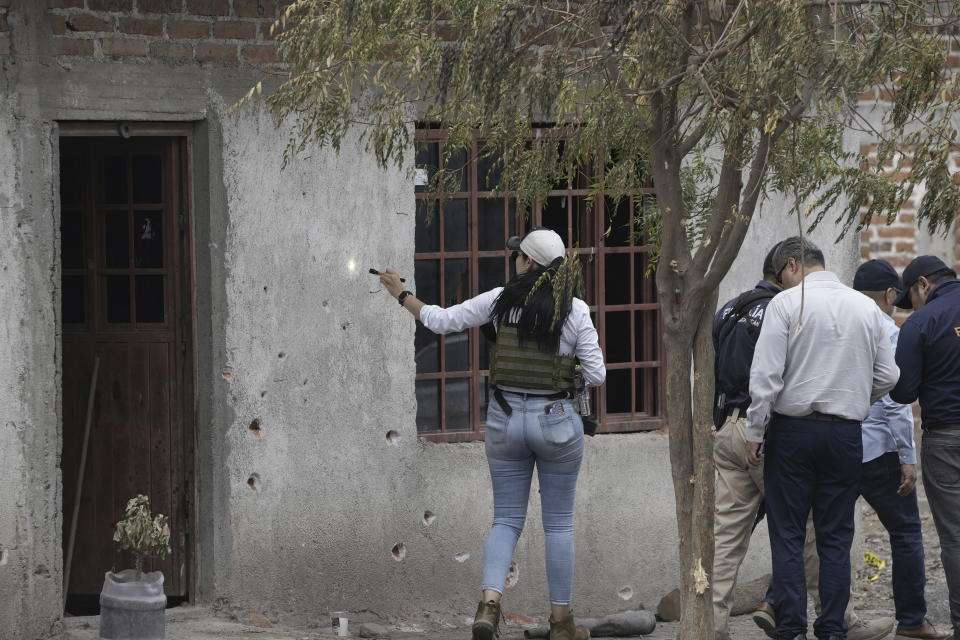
{"type": "Point", "coordinates": [838, 360]}
{"type": "Point", "coordinates": [577, 337]}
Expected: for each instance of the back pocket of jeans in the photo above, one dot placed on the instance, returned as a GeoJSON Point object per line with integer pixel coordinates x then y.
{"type": "Point", "coordinates": [558, 428]}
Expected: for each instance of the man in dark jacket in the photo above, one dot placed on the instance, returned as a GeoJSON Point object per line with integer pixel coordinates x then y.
{"type": "Point", "coordinates": [928, 354]}
{"type": "Point", "coordinates": [739, 490]}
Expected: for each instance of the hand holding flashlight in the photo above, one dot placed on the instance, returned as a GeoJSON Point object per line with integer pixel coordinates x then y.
{"type": "Point", "coordinates": [391, 281]}
{"type": "Point", "coordinates": [374, 272]}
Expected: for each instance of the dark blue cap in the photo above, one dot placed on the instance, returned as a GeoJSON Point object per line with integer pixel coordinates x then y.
{"type": "Point", "coordinates": [921, 266]}
{"type": "Point", "coordinates": [876, 275]}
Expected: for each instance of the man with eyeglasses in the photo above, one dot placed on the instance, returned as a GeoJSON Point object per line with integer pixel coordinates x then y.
{"type": "Point", "coordinates": [822, 358]}
{"type": "Point", "coordinates": [890, 472]}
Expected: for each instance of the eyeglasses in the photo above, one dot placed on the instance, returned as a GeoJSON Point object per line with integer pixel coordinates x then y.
{"type": "Point", "coordinates": [780, 273]}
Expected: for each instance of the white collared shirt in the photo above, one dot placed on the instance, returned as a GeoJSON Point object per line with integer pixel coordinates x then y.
{"type": "Point", "coordinates": [834, 358]}
{"type": "Point", "coordinates": [578, 336]}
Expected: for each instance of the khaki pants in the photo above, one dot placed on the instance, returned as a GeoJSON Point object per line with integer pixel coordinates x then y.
{"type": "Point", "coordinates": [738, 495]}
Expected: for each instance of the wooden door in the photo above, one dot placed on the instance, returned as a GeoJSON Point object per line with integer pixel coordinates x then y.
{"type": "Point", "coordinates": [123, 243]}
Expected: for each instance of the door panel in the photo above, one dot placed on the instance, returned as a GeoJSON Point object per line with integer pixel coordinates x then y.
{"type": "Point", "coordinates": [122, 247]}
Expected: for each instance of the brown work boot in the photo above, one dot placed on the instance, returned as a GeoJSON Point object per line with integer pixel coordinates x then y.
{"type": "Point", "coordinates": [567, 629]}
{"type": "Point", "coordinates": [486, 624]}
{"type": "Point", "coordinates": [926, 632]}
{"type": "Point", "coordinates": [765, 618]}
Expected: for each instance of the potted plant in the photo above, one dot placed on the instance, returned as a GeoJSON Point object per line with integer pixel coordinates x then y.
{"type": "Point", "coordinates": [132, 602]}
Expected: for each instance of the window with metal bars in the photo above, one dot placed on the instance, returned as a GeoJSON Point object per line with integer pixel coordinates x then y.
{"type": "Point", "coordinates": [460, 252]}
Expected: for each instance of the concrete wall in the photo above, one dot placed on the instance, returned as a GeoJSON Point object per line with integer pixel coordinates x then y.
{"type": "Point", "coordinates": [30, 557]}
{"type": "Point", "coordinates": [290, 333]}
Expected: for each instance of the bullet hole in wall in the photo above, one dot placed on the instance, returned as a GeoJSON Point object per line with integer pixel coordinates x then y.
{"type": "Point", "coordinates": [254, 482]}
{"type": "Point", "coordinates": [462, 557]}
{"type": "Point", "coordinates": [281, 355]}
{"type": "Point", "coordinates": [255, 427]}
{"type": "Point", "coordinates": [345, 325]}
{"type": "Point", "coordinates": [428, 518]}
{"type": "Point", "coordinates": [399, 551]}
{"type": "Point", "coordinates": [264, 289]}
{"type": "Point", "coordinates": [626, 593]}
{"type": "Point", "coordinates": [326, 306]}
{"type": "Point", "coordinates": [263, 394]}
{"type": "Point", "coordinates": [227, 376]}
{"type": "Point", "coordinates": [513, 575]}
{"type": "Point", "coordinates": [393, 438]}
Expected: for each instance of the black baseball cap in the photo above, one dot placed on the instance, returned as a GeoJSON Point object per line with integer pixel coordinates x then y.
{"type": "Point", "coordinates": [921, 266]}
{"type": "Point", "coordinates": [876, 275]}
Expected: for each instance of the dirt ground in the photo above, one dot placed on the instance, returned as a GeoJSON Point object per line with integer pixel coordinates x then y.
{"type": "Point", "coordinates": [877, 595]}
{"type": "Point", "coordinates": [872, 593]}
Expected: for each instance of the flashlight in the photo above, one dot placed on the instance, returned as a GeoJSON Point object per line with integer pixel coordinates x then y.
{"type": "Point", "coordinates": [376, 273]}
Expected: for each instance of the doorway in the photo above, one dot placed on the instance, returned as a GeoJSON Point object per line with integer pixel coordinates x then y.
{"type": "Point", "coordinates": [127, 301]}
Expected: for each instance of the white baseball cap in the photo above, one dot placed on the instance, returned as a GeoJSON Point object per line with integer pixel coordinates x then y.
{"type": "Point", "coordinates": [542, 245]}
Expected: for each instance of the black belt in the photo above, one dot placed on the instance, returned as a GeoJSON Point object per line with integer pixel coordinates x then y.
{"type": "Point", "coordinates": [816, 415]}
{"type": "Point", "coordinates": [507, 409]}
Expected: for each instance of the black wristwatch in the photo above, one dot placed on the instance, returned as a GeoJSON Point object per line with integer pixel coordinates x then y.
{"type": "Point", "coordinates": [403, 296]}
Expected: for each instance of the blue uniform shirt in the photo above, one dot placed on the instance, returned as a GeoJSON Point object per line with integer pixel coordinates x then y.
{"type": "Point", "coordinates": [889, 427]}
{"type": "Point", "coordinates": [734, 356]}
{"type": "Point", "coordinates": [928, 354]}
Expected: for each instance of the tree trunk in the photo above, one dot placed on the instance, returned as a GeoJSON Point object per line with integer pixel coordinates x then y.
{"type": "Point", "coordinates": [689, 415]}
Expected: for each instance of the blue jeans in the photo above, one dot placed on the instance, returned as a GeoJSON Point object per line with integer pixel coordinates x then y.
{"type": "Point", "coordinates": [514, 445]}
{"type": "Point", "coordinates": [811, 464]}
{"type": "Point", "coordinates": [900, 516]}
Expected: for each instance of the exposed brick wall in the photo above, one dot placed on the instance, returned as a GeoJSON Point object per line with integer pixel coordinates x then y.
{"type": "Point", "coordinates": [203, 31]}
{"type": "Point", "coordinates": [897, 241]}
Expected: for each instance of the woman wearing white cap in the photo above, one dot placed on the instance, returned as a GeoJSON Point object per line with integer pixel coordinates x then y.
{"type": "Point", "coordinates": [543, 329]}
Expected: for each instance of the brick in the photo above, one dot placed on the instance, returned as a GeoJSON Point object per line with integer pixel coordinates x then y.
{"type": "Point", "coordinates": [254, 8]}
{"type": "Point", "coordinates": [110, 5]}
{"type": "Point", "coordinates": [897, 260]}
{"type": "Point", "coordinates": [64, 4]}
{"type": "Point", "coordinates": [906, 218]}
{"type": "Point", "coordinates": [4, 45]}
{"type": "Point", "coordinates": [215, 52]}
{"type": "Point", "coordinates": [870, 95]}
{"type": "Point", "coordinates": [896, 232]}
{"type": "Point", "coordinates": [188, 29]}
{"type": "Point", "coordinates": [905, 246]}
{"type": "Point", "coordinates": [58, 24]}
{"type": "Point", "coordinates": [865, 252]}
{"type": "Point", "coordinates": [234, 30]}
{"type": "Point", "coordinates": [137, 26]}
{"type": "Point", "coordinates": [264, 30]}
{"type": "Point", "coordinates": [85, 22]}
{"type": "Point", "coordinates": [259, 53]}
{"type": "Point", "coordinates": [123, 47]}
{"type": "Point", "coordinates": [208, 7]}
{"type": "Point", "coordinates": [72, 47]}
{"type": "Point", "coordinates": [171, 50]}
{"type": "Point", "coordinates": [160, 6]}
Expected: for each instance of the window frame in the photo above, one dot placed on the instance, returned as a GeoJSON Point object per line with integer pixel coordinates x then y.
{"type": "Point", "coordinates": [598, 253]}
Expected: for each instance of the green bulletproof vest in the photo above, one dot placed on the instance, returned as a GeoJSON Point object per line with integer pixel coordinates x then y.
{"type": "Point", "coordinates": [527, 366]}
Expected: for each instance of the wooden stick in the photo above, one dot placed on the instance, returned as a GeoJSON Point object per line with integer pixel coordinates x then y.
{"type": "Point", "coordinates": [68, 561]}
